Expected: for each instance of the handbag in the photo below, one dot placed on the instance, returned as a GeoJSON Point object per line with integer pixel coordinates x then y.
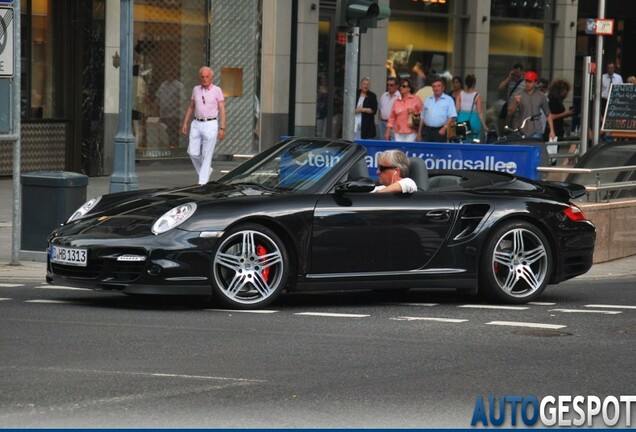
{"type": "Point", "coordinates": [464, 119]}
{"type": "Point", "coordinates": [414, 121]}
{"type": "Point", "coordinates": [504, 108]}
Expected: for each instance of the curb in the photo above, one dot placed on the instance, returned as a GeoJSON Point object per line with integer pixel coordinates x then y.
{"type": "Point", "coordinates": [31, 271]}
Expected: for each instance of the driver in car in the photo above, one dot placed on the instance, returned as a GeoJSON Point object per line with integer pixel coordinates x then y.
{"type": "Point", "coordinates": [393, 171]}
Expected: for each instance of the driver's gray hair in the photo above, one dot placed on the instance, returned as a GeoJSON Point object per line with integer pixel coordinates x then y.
{"type": "Point", "coordinates": [396, 158]}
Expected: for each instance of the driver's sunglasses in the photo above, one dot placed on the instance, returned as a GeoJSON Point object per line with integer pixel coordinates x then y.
{"type": "Point", "coordinates": [383, 168]}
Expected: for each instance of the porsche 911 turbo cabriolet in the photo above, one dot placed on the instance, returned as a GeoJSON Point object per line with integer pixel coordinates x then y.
{"type": "Point", "coordinates": [300, 217]}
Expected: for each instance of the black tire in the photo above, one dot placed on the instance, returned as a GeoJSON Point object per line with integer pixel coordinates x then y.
{"type": "Point", "coordinates": [516, 263]}
{"type": "Point", "coordinates": [250, 267]}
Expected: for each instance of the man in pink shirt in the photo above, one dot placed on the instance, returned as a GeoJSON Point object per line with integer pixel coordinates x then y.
{"type": "Point", "coordinates": [208, 106]}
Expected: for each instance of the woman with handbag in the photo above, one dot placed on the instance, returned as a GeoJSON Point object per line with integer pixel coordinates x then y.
{"type": "Point", "coordinates": [470, 111]}
{"type": "Point", "coordinates": [404, 115]}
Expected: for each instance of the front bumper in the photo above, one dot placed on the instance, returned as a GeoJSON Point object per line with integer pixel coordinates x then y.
{"type": "Point", "coordinates": [176, 263]}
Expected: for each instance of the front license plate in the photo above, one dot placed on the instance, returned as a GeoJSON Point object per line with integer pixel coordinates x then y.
{"type": "Point", "coordinates": [68, 256]}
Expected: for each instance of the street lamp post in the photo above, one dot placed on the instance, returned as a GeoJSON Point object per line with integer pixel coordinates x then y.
{"type": "Point", "coordinates": [351, 75]}
{"type": "Point", "coordinates": [124, 177]}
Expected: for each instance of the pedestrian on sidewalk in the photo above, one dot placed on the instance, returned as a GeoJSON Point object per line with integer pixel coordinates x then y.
{"type": "Point", "coordinates": [527, 105]}
{"type": "Point", "coordinates": [438, 113]}
{"type": "Point", "coordinates": [385, 105]}
{"type": "Point", "coordinates": [208, 106]}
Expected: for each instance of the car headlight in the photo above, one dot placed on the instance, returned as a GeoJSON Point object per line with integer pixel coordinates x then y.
{"type": "Point", "coordinates": [174, 218]}
{"type": "Point", "coordinates": [84, 209]}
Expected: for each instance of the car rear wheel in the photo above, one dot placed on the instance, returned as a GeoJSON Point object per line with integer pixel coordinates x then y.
{"type": "Point", "coordinates": [250, 267]}
{"type": "Point", "coordinates": [516, 263]}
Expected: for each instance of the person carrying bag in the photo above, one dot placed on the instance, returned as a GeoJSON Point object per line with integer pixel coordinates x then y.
{"type": "Point", "coordinates": [503, 114]}
{"type": "Point", "coordinates": [469, 109]}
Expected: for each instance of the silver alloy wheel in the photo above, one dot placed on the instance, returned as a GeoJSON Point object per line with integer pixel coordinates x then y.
{"type": "Point", "coordinates": [249, 268]}
{"type": "Point", "coordinates": [520, 263]}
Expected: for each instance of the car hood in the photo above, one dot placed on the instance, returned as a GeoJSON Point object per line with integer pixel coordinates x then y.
{"type": "Point", "coordinates": [133, 213]}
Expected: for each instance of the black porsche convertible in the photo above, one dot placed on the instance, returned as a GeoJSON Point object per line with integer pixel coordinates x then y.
{"type": "Point", "coordinates": [299, 217]}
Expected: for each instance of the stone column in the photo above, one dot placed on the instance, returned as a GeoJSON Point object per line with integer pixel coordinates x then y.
{"type": "Point", "coordinates": [306, 68]}
{"type": "Point", "coordinates": [275, 85]}
{"type": "Point", "coordinates": [565, 42]}
{"type": "Point", "coordinates": [373, 51]}
{"type": "Point", "coordinates": [477, 42]}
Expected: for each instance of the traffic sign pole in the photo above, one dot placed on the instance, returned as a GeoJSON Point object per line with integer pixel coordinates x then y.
{"type": "Point", "coordinates": [598, 78]}
{"type": "Point", "coordinates": [351, 79]}
{"type": "Point", "coordinates": [10, 69]}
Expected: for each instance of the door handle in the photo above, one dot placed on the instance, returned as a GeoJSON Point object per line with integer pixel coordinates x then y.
{"type": "Point", "coordinates": [439, 215]}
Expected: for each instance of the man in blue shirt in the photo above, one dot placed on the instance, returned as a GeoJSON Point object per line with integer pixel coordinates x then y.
{"type": "Point", "coordinates": [438, 114]}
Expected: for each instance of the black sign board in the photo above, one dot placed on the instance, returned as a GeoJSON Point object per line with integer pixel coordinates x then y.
{"type": "Point", "coordinates": [620, 112]}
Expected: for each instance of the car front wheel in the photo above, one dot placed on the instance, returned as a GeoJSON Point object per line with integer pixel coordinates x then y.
{"type": "Point", "coordinates": [516, 264]}
{"type": "Point", "coordinates": [250, 267]}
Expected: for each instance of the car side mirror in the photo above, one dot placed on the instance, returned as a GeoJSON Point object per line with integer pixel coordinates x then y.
{"type": "Point", "coordinates": [364, 185]}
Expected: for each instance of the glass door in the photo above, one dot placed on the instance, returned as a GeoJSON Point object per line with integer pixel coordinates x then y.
{"type": "Point", "coordinates": [330, 85]}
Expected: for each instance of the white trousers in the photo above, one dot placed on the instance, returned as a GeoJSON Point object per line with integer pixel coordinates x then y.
{"type": "Point", "coordinates": [406, 137]}
{"type": "Point", "coordinates": [201, 147]}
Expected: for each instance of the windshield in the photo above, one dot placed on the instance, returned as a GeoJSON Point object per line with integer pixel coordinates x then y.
{"type": "Point", "coordinates": [295, 166]}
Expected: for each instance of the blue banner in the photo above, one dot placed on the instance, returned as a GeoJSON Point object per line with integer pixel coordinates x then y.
{"type": "Point", "coordinates": [518, 159]}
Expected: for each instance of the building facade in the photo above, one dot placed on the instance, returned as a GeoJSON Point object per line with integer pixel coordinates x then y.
{"type": "Point", "coordinates": [280, 64]}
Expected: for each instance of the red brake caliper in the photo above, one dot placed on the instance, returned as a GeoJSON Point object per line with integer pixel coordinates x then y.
{"type": "Point", "coordinates": [260, 251]}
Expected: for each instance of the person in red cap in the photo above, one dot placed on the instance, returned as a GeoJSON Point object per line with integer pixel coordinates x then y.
{"type": "Point", "coordinates": [528, 105]}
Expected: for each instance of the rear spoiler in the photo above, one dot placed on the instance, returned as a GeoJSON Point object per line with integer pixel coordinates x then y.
{"type": "Point", "coordinates": [568, 190]}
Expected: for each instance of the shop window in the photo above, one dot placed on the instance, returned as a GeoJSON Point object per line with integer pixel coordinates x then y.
{"type": "Point", "coordinates": [169, 49]}
{"type": "Point", "coordinates": [428, 6]}
{"type": "Point", "coordinates": [43, 33]}
{"type": "Point", "coordinates": [418, 43]}
{"type": "Point", "coordinates": [519, 30]}
{"type": "Point", "coordinates": [524, 9]}
{"type": "Point", "coordinates": [232, 81]}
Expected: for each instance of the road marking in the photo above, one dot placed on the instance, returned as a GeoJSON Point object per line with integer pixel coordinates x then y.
{"type": "Point", "coordinates": [586, 311]}
{"type": "Point", "coordinates": [198, 377]}
{"type": "Point", "coordinates": [414, 304]}
{"type": "Point", "coordinates": [143, 374]}
{"type": "Point", "coordinates": [333, 315]}
{"type": "Point", "coordinates": [59, 287]}
{"type": "Point", "coordinates": [203, 385]}
{"type": "Point", "coordinates": [476, 306]}
{"type": "Point", "coordinates": [3, 299]}
{"type": "Point", "coordinates": [526, 324]}
{"type": "Point", "coordinates": [48, 301]}
{"type": "Point", "coordinates": [542, 303]}
{"type": "Point", "coordinates": [244, 311]}
{"type": "Point", "coordinates": [10, 285]}
{"type": "Point", "coordinates": [610, 306]}
{"type": "Point", "coordinates": [446, 320]}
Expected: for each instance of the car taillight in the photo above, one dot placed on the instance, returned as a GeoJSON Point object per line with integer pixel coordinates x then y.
{"type": "Point", "coordinates": [574, 213]}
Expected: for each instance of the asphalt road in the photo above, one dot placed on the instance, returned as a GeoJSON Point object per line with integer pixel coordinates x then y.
{"type": "Point", "coordinates": [76, 358]}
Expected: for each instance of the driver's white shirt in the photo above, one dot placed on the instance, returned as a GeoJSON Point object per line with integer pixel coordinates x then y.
{"type": "Point", "coordinates": [407, 185]}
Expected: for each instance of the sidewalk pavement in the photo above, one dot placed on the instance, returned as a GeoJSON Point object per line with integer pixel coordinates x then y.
{"type": "Point", "coordinates": [180, 173]}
